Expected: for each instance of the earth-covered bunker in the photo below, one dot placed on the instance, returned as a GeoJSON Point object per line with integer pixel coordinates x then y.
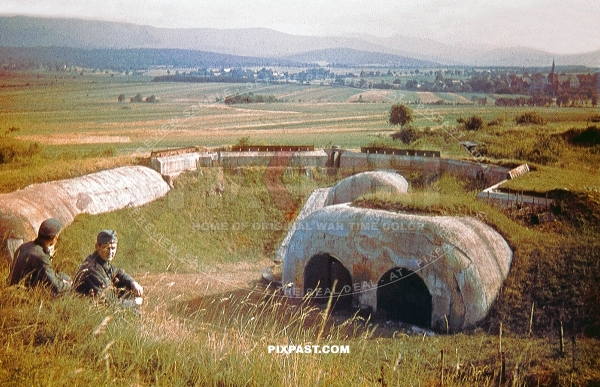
{"type": "Point", "coordinates": [433, 271]}
{"type": "Point", "coordinates": [22, 211]}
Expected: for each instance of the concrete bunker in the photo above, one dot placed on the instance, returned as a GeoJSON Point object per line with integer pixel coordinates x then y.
{"type": "Point", "coordinates": [351, 188]}
{"type": "Point", "coordinates": [326, 277]}
{"type": "Point", "coordinates": [403, 295]}
{"type": "Point", "coordinates": [22, 211]}
{"type": "Point", "coordinates": [461, 262]}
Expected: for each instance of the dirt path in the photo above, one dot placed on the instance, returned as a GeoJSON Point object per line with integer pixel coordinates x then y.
{"type": "Point", "coordinates": [174, 287]}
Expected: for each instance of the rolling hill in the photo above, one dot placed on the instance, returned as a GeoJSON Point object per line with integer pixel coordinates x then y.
{"type": "Point", "coordinates": [21, 31]}
{"type": "Point", "coordinates": [347, 57]}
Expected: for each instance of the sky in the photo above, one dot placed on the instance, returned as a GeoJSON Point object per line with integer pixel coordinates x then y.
{"type": "Point", "coordinates": [556, 26]}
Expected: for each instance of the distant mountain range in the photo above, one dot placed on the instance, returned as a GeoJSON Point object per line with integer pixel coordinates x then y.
{"type": "Point", "coordinates": [132, 58]}
{"type": "Point", "coordinates": [350, 57]}
{"type": "Point", "coordinates": [355, 50]}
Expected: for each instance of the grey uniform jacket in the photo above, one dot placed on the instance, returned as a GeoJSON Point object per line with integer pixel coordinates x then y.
{"type": "Point", "coordinates": [95, 275]}
{"type": "Point", "coordinates": [32, 266]}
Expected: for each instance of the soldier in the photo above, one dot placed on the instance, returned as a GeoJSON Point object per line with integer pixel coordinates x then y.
{"type": "Point", "coordinates": [99, 278]}
{"type": "Point", "coordinates": [32, 263]}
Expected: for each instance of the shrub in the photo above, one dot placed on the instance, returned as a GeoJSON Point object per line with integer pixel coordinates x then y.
{"type": "Point", "coordinates": [498, 121]}
{"type": "Point", "coordinates": [249, 98]}
{"type": "Point", "coordinates": [11, 149]}
{"type": "Point", "coordinates": [595, 118]}
{"type": "Point", "coordinates": [530, 118]}
{"type": "Point", "coordinates": [137, 98]}
{"type": "Point", "coordinates": [151, 99]}
{"type": "Point", "coordinates": [473, 123]}
{"type": "Point", "coordinates": [406, 135]}
{"type": "Point", "coordinates": [587, 137]}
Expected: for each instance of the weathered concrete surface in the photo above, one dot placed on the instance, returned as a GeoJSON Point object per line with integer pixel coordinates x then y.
{"type": "Point", "coordinates": [345, 191]}
{"type": "Point", "coordinates": [494, 196]}
{"type": "Point", "coordinates": [368, 161]}
{"type": "Point", "coordinates": [175, 164]}
{"type": "Point", "coordinates": [351, 188]}
{"type": "Point", "coordinates": [462, 261]}
{"type": "Point", "coordinates": [315, 201]}
{"type": "Point", "coordinates": [22, 211]}
{"type": "Point", "coordinates": [299, 159]}
{"type": "Point", "coordinates": [488, 174]}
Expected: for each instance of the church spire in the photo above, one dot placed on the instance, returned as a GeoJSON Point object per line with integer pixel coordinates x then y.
{"type": "Point", "coordinates": [552, 72]}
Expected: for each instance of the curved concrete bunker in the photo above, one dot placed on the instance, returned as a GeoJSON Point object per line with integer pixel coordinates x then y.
{"type": "Point", "coordinates": [425, 270]}
{"type": "Point", "coordinates": [22, 211]}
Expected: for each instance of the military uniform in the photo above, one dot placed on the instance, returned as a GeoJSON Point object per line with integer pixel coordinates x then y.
{"type": "Point", "coordinates": [32, 266]}
{"type": "Point", "coordinates": [95, 276]}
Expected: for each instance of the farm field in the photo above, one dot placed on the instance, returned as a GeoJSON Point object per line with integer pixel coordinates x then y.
{"type": "Point", "coordinates": [208, 320]}
{"type": "Point", "coordinates": [80, 116]}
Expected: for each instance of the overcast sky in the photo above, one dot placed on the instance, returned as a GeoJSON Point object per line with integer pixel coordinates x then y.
{"type": "Point", "coordinates": [557, 26]}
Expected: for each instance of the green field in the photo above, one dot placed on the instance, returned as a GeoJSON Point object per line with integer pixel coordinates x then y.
{"type": "Point", "coordinates": [206, 322]}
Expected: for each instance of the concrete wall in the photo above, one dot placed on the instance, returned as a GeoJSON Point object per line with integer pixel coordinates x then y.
{"type": "Point", "coordinates": [337, 159]}
{"type": "Point", "coordinates": [498, 198]}
{"type": "Point", "coordinates": [489, 174]}
{"type": "Point", "coordinates": [277, 159]}
{"type": "Point", "coordinates": [173, 165]}
{"type": "Point", "coordinates": [315, 202]}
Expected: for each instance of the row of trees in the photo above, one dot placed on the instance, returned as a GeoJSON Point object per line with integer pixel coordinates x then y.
{"type": "Point", "coordinates": [249, 98]}
{"type": "Point", "coordinates": [138, 98]}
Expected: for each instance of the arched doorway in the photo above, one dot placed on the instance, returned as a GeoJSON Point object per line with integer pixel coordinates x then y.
{"type": "Point", "coordinates": [403, 296]}
{"type": "Point", "coordinates": [321, 273]}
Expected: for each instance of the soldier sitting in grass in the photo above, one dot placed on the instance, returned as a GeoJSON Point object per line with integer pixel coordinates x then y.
{"type": "Point", "coordinates": [32, 263]}
{"type": "Point", "coordinates": [98, 277]}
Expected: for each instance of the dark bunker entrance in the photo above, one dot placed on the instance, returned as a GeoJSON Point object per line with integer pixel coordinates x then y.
{"type": "Point", "coordinates": [403, 296]}
{"type": "Point", "coordinates": [320, 274]}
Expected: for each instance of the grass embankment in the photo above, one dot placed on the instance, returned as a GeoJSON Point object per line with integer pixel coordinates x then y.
{"type": "Point", "coordinates": [25, 162]}
{"type": "Point", "coordinates": [224, 341]}
{"type": "Point", "coordinates": [564, 153]}
{"type": "Point", "coordinates": [194, 228]}
{"type": "Point", "coordinates": [221, 337]}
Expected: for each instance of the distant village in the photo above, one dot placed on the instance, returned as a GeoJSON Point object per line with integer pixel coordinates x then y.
{"type": "Point", "coordinates": [522, 88]}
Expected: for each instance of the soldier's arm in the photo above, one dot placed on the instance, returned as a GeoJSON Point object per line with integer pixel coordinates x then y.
{"type": "Point", "coordinates": [124, 280]}
{"type": "Point", "coordinates": [50, 278]}
{"type": "Point", "coordinates": [90, 282]}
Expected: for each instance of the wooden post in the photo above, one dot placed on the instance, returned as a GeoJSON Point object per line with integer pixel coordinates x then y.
{"type": "Point", "coordinates": [500, 339]}
{"type": "Point", "coordinates": [441, 368]}
{"type": "Point", "coordinates": [531, 319]}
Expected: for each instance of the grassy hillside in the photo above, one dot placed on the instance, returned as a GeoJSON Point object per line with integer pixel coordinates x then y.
{"type": "Point", "coordinates": [207, 322]}
{"type": "Point", "coordinates": [215, 330]}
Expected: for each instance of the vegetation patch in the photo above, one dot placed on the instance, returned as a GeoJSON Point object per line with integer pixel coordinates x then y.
{"type": "Point", "coordinates": [531, 117]}
{"type": "Point", "coordinates": [249, 98]}
{"type": "Point", "coordinates": [586, 137]}
{"type": "Point", "coordinates": [400, 115]}
{"type": "Point", "coordinates": [407, 135]}
{"type": "Point", "coordinates": [472, 123]}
